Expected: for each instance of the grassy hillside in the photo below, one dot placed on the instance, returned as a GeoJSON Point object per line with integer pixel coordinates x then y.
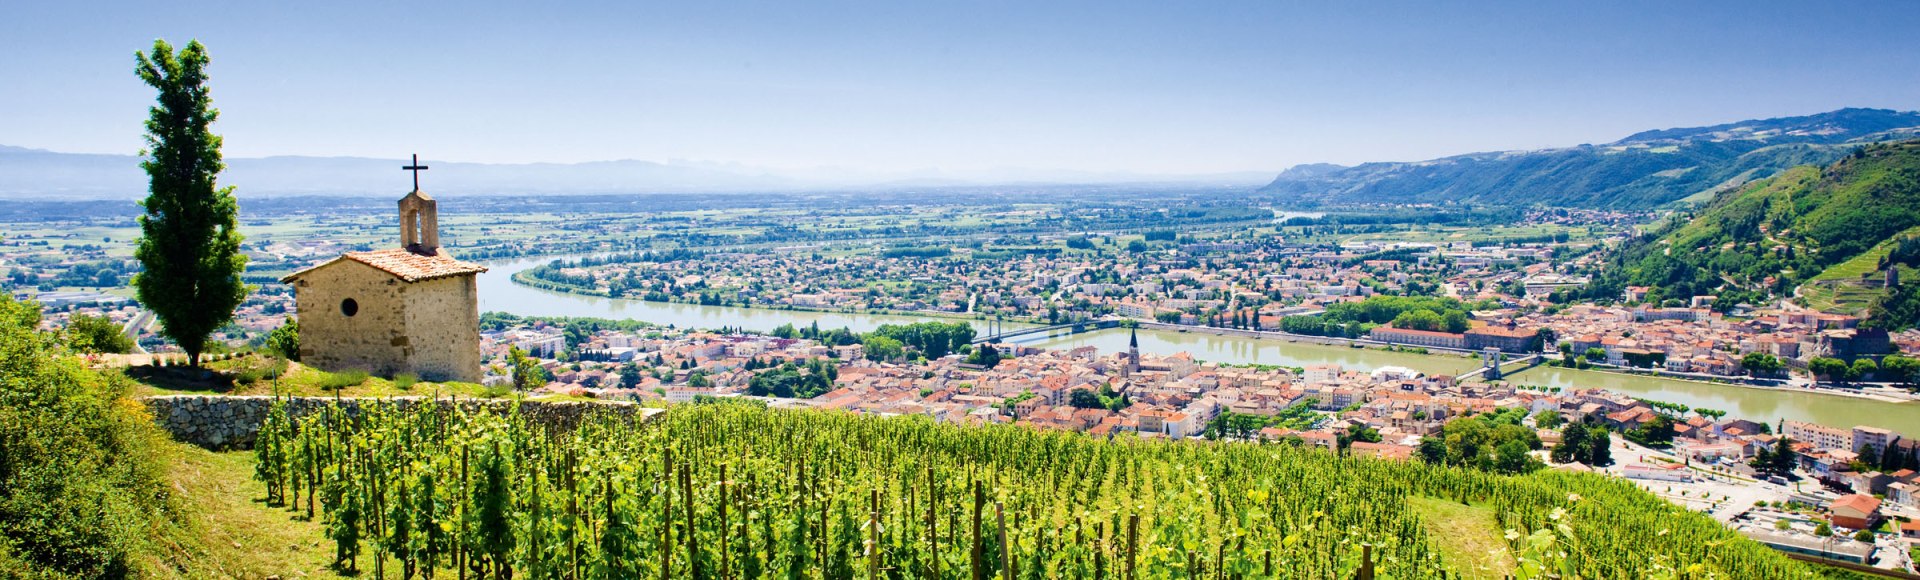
{"type": "Point", "coordinates": [1804, 224]}
{"type": "Point", "coordinates": [1625, 177]}
{"type": "Point", "coordinates": [1839, 287]}
{"type": "Point", "coordinates": [82, 468]}
{"type": "Point", "coordinates": [1646, 170]}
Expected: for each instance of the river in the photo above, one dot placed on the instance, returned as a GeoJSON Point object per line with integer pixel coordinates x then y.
{"type": "Point", "coordinates": [1767, 405]}
{"type": "Point", "coordinates": [499, 293]}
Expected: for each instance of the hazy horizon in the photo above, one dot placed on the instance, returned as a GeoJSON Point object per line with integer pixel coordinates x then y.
{"type": "Point", "coordinates": [887, 91]}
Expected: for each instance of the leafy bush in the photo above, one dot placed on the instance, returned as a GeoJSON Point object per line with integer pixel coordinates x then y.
{"type": "Point", "coordinates": [97, 334]}
{"type": "Point", "coordinates": [404, 381]}
{"type": "Point", "coordinates": [253, 372]}
{"type": "Point", "coordinates": [343, 379]}
{"type": "Point", "coordinates": [80, 491]}
{"type": "Point", "coordinates": [285, 340]}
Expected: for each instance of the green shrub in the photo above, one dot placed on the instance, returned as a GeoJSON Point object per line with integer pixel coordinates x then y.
{"type": "Point", "coordinates": [256, 370]}
{"type": "Point", "coordinates": [80, 485]}
{"type": "Point", "coordinates": [285, 340]}
{"type": "Point", "coordinates": [97, 334]}
{"type": "Point", "coordinates": [343, 379]}
{"type": "Point", "coordinates": [405, 381]}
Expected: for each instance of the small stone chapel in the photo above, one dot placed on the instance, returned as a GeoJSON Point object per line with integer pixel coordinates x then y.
{"type": "Point", "coordinates": [412, 309]}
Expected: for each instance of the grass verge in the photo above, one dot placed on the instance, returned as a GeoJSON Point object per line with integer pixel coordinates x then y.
{"type": "Point", "coordinates": [260, 375]}
{"type": "Point", "coordinates": [240, 535]}
{"type": "Point", "coordinates": [1469, 537]}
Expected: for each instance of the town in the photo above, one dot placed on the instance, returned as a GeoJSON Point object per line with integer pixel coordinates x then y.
{"type": "Point", "coordinates": [1024, 290]}
{"type": "Point", "coordinates": [1863, 476]}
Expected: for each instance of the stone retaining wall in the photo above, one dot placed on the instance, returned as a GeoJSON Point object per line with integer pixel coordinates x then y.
{"type": "Point", "coordinates": [223, 423]}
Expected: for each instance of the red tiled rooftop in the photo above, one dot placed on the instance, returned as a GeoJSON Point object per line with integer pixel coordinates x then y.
{"type": "Point", "coordinates": [1863, 503]}
{"type": "Point", "coordinates": [1503, 331]}
{"type": "Point", "coordinates": [402, 264]}
{"type": "Point", "coordinates": [1413, 332]}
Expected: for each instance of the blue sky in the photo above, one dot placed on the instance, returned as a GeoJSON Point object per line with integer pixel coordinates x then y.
{"type": "Point", "coordinates": [1150, 87]}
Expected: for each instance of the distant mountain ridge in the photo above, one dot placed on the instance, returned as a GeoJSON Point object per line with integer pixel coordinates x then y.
{"type": "Point", "coordinates": [32, 173]}
{"type": "Point", "coordinates": [1306, 171]}
{"type": "Point", "coordinates": [1831, 127]}
{"type": "Point", "coordinates": [46, 175]}
{"type": "Point", "coordinates": [1644, 170]}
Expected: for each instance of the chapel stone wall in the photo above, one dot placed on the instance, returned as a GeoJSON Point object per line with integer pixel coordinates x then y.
{"type": "Point", "coordinates": [373, 339]}
{"type": "Point", "coordinates": [443, 329]}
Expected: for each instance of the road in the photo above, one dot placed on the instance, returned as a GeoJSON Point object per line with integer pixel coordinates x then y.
{"type": "Point", "coordinates": [1725, 498]}
{"type": "Point", "coordinates": [139, 322]}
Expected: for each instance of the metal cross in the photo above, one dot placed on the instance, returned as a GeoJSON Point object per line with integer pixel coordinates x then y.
{"type": "Point", "coordinates": [416, 168]}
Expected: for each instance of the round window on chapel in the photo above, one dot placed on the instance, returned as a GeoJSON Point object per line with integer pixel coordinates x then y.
{"type": "Point", "coordinates": [349, 307]}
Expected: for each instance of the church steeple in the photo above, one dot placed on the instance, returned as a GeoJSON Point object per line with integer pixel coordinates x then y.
{"type": "Point", "coordinates": [419, 217]}
{"type": "Point", "coordinates": [1133, 349]}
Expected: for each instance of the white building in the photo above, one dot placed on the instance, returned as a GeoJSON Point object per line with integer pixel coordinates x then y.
{"type": "Point", "coordinates": [1662, 472]}
{"type": "Point", "coordinates": [1322, 374]}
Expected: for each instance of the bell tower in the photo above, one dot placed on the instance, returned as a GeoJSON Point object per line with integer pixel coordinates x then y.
{"type": "Point", "coordinates": [1133, 350]}
{"type": "Point", "coordinates": [419, 217]}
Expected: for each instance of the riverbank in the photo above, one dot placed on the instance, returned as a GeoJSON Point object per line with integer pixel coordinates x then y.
{"type": "Point", "coordinates": [1261, 335]}
{"type": "Point", "coordinates": [498, 292]}
{"type": "Point", "coordinates": [1363, 343]}
{"type": "Point", "coordinates": [1785, 386]}
{"type": "Point", "coordinates": [1441, 351]}
{"type": "Point", "coordinates": [523, 278]}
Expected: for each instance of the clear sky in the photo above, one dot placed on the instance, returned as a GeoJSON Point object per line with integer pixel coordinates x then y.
{"type": "Point", "coordinates": [1146, 87]}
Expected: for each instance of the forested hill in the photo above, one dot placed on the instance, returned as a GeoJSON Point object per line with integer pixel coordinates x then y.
{"type": "Point", "coordinates": [1772, 236]}
{"type": "Point", "coordinates": [1645, 170]}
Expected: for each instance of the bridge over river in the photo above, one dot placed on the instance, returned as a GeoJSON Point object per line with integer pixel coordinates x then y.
{"type": "Point", "coordinates": [1504, 368]}
{"type": "Point", "coordinates": [1072, 327]}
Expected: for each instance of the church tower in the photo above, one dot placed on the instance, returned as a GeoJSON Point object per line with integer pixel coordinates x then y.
{"type": "Point", "coordinates": [412, 309]}
{"type": "Point", "coordinates": [420, 224]}
{"type": "Point", "coordinates": [419, 217]}
{"type": "Point", "coordinates": [1133, 350]}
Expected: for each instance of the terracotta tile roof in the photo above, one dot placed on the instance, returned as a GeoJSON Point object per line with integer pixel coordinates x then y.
{"type": "Point", "coordinates": [1409, 331]}
{"type": "Point", "coordinates": [402, 264]}
{"type": "Point", "coordinates": [1382, 450]}
{"type": "Point", "coordinates": [1865, 504]}
{"type": "Point", "coordinates": [1502, 331]}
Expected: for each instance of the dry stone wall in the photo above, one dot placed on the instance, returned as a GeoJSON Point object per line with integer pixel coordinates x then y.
{"type": "Point", "coordinates": [223, 423]}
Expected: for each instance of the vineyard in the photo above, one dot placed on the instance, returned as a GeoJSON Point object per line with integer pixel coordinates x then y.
{"type": "Point", "coordinates": [732, 490]}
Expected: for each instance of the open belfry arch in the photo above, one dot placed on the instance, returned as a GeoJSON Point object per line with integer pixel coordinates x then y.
{"type": "Point", "coordinates": [419, 217]}
{"type": "Point", "coordinates": [412, 309]}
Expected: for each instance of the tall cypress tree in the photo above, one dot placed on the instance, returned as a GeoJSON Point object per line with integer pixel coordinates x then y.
{"type": "Point", "coordinates": [190, 238]}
